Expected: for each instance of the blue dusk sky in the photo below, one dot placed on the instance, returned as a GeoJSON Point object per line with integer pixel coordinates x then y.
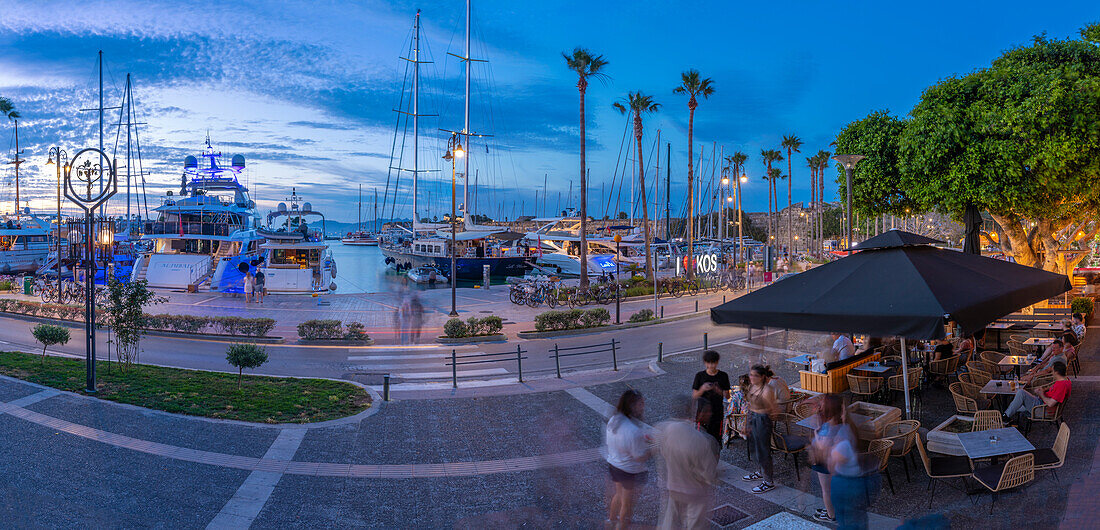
{"type": "Point", "coordinates": [306, 91]}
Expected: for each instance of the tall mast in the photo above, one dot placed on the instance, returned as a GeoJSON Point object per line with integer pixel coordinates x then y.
{"type": "Point", "coordinates": [416, 116]}
{"type": "Point", "coordinates": [466, 126]}
{"type": "Point", "coordinates": [129, 110]}
{"type": "Point", "coordinates": [376, 211]}
{"type": "Point", "coordinates": [17, 161]}
{"type": "Point", "coordinates": [359, 211]}
{"type": "Point", "coordinates": [101, 112]}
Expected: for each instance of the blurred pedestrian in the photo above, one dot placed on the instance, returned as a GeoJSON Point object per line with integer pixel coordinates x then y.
{"type": "Point", "coordinates": [628, 450]}
{"type": "Point", "coordinates": [832, 428]}
{"type": "Point", "coordinates": [762, 406]}
{"type": "Point", "coordinates": [416, 317]}
{"type": "Point", "coordinates": [404, 317]}
{"type": "Point", "coordinates": [852, 475]}
{"type": "Point", "coordinates": [710, 388]}
{"type": "Point", "coordinates": [690, 469]}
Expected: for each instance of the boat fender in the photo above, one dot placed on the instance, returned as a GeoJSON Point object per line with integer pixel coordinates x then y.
{"type": "Point", "coordinates": [389, 260]}
{"type": "Point", "coordinates": [332, 286]}
{"type": "Point", "coordinates": [408, 265]}
{"type": "Point", "coordinates": [332, 264]}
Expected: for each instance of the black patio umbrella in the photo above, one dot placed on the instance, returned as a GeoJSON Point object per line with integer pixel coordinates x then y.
{"type": "Point", "coordinates": [972, 218]}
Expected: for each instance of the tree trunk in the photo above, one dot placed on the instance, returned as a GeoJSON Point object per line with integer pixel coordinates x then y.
{"type": "Point", "coordinates": [583, 255]}
{"type": "Point", "coordinates": [790, 220]}
{"type": "Point", "coordinates": [691, 195]}
{"type": "Point", "coordinates": [649, 271]}
{"type": "Point", "coordinates": [240, 375]}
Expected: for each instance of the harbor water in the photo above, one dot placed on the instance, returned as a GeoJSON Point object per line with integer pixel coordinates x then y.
{"type": "Point", "coordinates": [360, 269]}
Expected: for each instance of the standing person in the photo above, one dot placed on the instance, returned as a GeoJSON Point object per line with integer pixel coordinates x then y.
{"type": "Point", "coordinates": [710, 387]}
{"type": "Point", "coordinates": [762, 405]}
{"type": "Point", "coordinates": [833, 428]}
{"type": "Point", "coordinates": [258, 288]}
{"type": "Point", "coordinates": [416, 317]}
{"type": "Point", "coordinates": [690, 469]}
{"type": "Point", "coordinates": [249, 283]}
{"type": "Point", "coordinates": [628, 450]}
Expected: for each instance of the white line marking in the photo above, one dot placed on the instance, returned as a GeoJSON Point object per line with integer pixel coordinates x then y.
{"type": "Point", "coordinates": [410, 356]}
{"type": "Point", "coordinates": [241, 510]}
{"type": "Point", "coordinates": [461, 373]}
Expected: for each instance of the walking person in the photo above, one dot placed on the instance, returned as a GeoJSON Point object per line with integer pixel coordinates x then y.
{"type": "Point", "coordinates": [853, 483]}
{"type": "Point", "coordinates": [833, 428]}
{"type": "Point", "coordinates": [628, 450]}
{"type": "Point", "coordinates": [249, 285]}
{"type": "Point", "coordinates": [762, 405]}
{"type": "Point", "coordinates": [258, 289]}
{"type": "Point", "coordinates": [710, 388]}
{"type": "Point", "coordinates": [690, 469]}
{"type": "Point", "coordinates": [416, 317]}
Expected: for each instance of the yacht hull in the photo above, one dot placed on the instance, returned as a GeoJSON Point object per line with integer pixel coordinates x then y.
{"type": "Point", "coordinates": [465, 268]}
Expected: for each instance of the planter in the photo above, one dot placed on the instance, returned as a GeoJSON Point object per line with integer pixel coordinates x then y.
{"type": "Point", "coordinates": [497, 337]}
{"type": "Point", "coordinates": [872, 418]}
{"type": "Point", "coordinates": [531, 334]}
{"type": "Point", "coordinates": [944, 438]}
{"type": "Point", "coordinates": [152, 332]}
{"type": "Point", "coordinates": [335, 342]}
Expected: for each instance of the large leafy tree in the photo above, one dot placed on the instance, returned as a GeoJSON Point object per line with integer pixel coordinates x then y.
{"type": "Point", "coordinates": [637, 104]}
{"type": "Point", "coordinates": [792, 144]}
{"type": "Point", "coordinates": [695, 86]}
{"type": "Point", "coordinates": [586, 65]}
{"type": "Point", "coordinates": [877, 186]}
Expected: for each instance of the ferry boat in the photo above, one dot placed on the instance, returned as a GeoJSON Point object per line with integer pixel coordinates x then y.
{"type": "Point", "coordinates": [297, 259]}
{"type": "Point", "coordinates": [204, 234]}
{"type": "Point", "coordinates": [24, 243]}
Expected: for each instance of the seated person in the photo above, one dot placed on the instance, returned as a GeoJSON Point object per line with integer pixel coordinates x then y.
{"type": "Point", "coordinates": [1026, 399]}
{"type": "Point", "coordinates": [842, 348]}
{"type": "Point", "coordinates": [943, 349]}
{"type": "Point", "coordinates": [1078, 326]}
{"type": "Point", "coordinates": [871, 344]}
{"type": "Point", "coordinates": [1052, 355]}
{"type": "Point", "coordinates": [965, 347]}
{"type": "Point", "coordinates": [979, 340]}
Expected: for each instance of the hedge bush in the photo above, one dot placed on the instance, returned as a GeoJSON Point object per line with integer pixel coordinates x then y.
{"type": "Point", "coordinates": [237, 326]}
{"type": "Point", "coordinates": [320, 329]}
{"type": "Point", "coordinates": [572, 319]}
{"type": "Point", "coordinates": [595, 317]}
{"type": "Point", "coordinates": [356, 331]}
{"type": "Point", "coordinates": [644, 315]}
{"type": "Point", "coordinates": [456, 328]}
{"type": "Point", "coordinates": [1082, 305]}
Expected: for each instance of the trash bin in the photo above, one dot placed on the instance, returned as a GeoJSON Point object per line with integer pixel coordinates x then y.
{"type": "Point", "coordinates": [28, 286]}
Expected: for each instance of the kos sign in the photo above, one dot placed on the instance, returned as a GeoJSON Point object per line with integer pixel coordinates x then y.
{"type": "Point", "coordinates": [704, 264]}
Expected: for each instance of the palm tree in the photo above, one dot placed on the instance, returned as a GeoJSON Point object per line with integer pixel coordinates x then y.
{"type": "Point", "coordinates": [792, 144]}
{"type": "Point", "coordinates": [693, 85]}
{"type": "Point", "coordinates": [7, 109]}
{"type": "Point", "coordinates": [822, 164]}
{"type": "Point", "coordinates": [736, 162]}
{"type": "Point", "coordinates": [585, 64]}
{"type": "Point", "coordinates": [637, 104]}
{"type": "Point", "coordinates": [811, 162]}
{"type": "Point", "coordinates": [771, 156]}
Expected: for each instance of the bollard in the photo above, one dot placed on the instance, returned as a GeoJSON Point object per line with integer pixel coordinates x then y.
{"type": "Point", "coordinates": [660, 352]}
{"type": "Point", "coordinates": [705, 342]}
{"type": "Point", "coordinates": [662, 311]}
{"type": "Point", "coordinates": [614, 358]}
{"type": "Point", "coordinates": [386, 387]}
{"type": "Point", "coordinates": [723, 299]}
{"type": "Point", "coordinates": [454, 369]}
{"type": "Point", "coordinates": [696, 306]}
{"type": "Point", "coordinates": [557, 361]}
{"type": "Point", "coordinates": [750, 333]}
{"type": "Point", "coordinates": [519, 363]}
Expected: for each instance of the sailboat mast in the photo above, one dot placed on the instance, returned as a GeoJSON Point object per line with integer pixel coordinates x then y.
{"type": "Point", "coordinates": [17, 162]}
{"type": "Point", "coordinates": [129, 109]}
{"type": "Point", "coordinates": [376, 211]}
{"type": "Point", "coordinates": [101, 114]}
{"type": "Point", "coordinates": [359, 211]}
{"type": "Point", "coordinates": [416, 118]}
{"type": "Point", "coordinates": [466, 124]}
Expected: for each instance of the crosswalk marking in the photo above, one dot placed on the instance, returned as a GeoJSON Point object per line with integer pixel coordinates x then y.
{"type": "Point", "coordinates": [461, 373]}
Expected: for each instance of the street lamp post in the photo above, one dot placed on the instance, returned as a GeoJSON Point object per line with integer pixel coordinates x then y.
{"type": "Point", "coordinates": [62, 162]}
{"type": "Point", "coordinates": [618, 298]}
{"type": "Point", "coordinates": [849, 162]}
{"type": "Point", "coordinates": [454, 150]}
{"type": "Point", "coordinates": [90, 172]}
{"type": "Point", "coordinates": [740, 235]}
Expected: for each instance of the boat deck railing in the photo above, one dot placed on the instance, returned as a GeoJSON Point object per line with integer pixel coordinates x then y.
{"type": "Point", "coordinates": [188, 228]}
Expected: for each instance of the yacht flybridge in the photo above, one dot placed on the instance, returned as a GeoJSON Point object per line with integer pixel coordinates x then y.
{"type": "Point", "coordinates": [202, 235]}
{"type": "Point", "coordinates": [297, 259]}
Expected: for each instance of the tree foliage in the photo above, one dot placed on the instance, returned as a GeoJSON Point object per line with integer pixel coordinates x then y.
{"type": "Point", "coordinates": [49, 334]}
{"type": "Point", "coordinates": [125, 313]}
{"type": "Point", "coordinates": [243, 356]}
{"type": "Point", "coordinates": [876, 181]}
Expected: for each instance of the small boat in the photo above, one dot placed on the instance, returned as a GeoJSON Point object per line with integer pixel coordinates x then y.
{"type": "Point", "coordinates": [358, 238]}
{"type": "Point", "coordinates": [428, 275]}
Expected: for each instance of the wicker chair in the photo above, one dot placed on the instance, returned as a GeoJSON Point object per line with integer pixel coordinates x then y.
{"type": "Point", "coordinates": [879, 451]}
{"type": "Point", "coordinates": [974, 392]}
{"type": "Point", "coordinates": [943, 467]}
{"type": "Point", "coordinates": [904, 435]}
{"type": "Point", "coordinates": [978, 377]}
{"type": "Point", "coordinates": [963, 405]}
{"type": "Point", "coordinates": [967, 377]}
{"type": "Point", "coordinates": [863, 386]}
{"type": "Point", "coordinates": [786, 440]}
{"type": "Point", "coordinates": [1018, 337]}
{"type": "Point", "coordinates": [1054, 457]}
{"type": "Point", "coordinates": [896, 384]}
{"type": "Point", "coordinates": [788, 405]}
{"type": "Point", "coordinates": [1040, 413]}
{"type": "Point", "coordinates": [805, 409]}
{"type": "Point", "coordinates": [990, 356]}
{"type": "Point", "coordinates": [985, 420]}
{"type": "Point", "coordinates": [1012, 474]}
{"type": "Point", "coordinates": [944, 368]}
{"type": "Point", "coordinates": [1017, 348]}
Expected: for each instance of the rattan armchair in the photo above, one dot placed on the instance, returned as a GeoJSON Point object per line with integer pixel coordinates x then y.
{"type": "Point", "coordinates": [974, 392]}
{"type": "Point", "coordinates": [788, 405]}
{"type": "Point", "coordinates": [805, 409]}
{"type": "Point", "coordinates": [786, 440]}
{"type": "Point", "coordinates": [990, 356]}
{"type": "Point", "coordinates": [1012, 474]}
{"type": "Point", "coordinates": [943, 467]}
{"type": "Point", "coordinates": [944, 368]}
{"type": "Point", "coordinates": [896, 384]}
{"type": "Point", "coordinates": [864, 386]}
{"type": "Point", "coordinates": [904, 435]}
{"type": "Point", "coordinates": [1018, 337]}
{"type": "Point", "coordinates": [977, 376]}
{"type": "Point", "coordinates": [1053, 458]}
{"type": "Point", "coordinates": [1042, 414]}
{"type": "Point", "coordinates": [878, 451]}
{"type": "Point", "coordinates": [1017, 348]}
{"type": "Point", "coordinates": [985, 420]}
{"type": "Point", "coordinates": [963, 405]}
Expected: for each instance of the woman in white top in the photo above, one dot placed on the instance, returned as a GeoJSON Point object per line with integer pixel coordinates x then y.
{"type": "Point", "coordinates": [628, 450]}
{"type": "Point", "coordinates": [248, 284]}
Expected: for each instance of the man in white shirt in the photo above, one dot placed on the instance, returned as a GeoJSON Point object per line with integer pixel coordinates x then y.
{"type": "Point", "coordinates": [842, 347]}
{"type": "Point", "coordinates": [690, 469]}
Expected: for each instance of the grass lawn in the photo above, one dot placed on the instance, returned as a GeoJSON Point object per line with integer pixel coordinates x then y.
{"type": "Point", "coordinates": [209, 394]}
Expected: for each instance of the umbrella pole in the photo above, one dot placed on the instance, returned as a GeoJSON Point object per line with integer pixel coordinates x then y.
{"type": "Point", "coordinates": [905, 375]}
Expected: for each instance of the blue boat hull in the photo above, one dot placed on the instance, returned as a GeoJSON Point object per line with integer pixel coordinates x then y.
{"type": "Point", "coordinates": [465, 268]}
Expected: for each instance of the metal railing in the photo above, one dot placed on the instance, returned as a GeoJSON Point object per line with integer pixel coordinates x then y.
{"type": "Point", "coordinates": [586, 350]}
{"type": "Point", "coordinates": [479, 358]}
{"type": "Point", "coordinates": [188, 228]}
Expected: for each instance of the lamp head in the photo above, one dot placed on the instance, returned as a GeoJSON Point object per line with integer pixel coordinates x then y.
{"type": "Point", "coordinates": [729, 199]}
{"type": "Point", "coordinates": [459, 152]}
{"type": "Point", "coordinates": [744, 178]}
{"type": "Point", "coordinates": [448, 155]}
{"type": "Point", "coordinates": [725, 181]}
{"type": "Point", "coordinates": [50, 161]}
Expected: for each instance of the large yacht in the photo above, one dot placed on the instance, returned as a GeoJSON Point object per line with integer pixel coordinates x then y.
{"type": "Point", "coordinates": [556, 246]}
{"type": "Point", "coordinates": [204, 234]}
{"type": "Point", "coordinates": [297, 259]}
{"type": "Point", "coordinates": [24, 243]}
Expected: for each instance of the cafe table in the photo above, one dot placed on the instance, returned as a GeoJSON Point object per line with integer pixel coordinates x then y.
{"type": "Point", "coordinates": [874, 367]}
{"type": "Point", "coordinates": [999, 388]}
{"type": "Point", "coordinates": [805, 359]}
{"type": "Point", "coordinates": [1047, 326]}
{"type": "Point", "coordinates": [997, 328]}
{"type": "Point", "coordinates": [1016, 361]}
{"type": "Point", "coordinates": [1039, 342]}
{"type": "Point", "coordinates": [994, 442]}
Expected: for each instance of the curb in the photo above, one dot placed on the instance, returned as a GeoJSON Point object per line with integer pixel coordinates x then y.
{"type": "Point", "coordinates": [335, 342]}
{"type": "Point", "coordinates": [499, 337]}
{"type": "Point", "coordinates": [610, 327]}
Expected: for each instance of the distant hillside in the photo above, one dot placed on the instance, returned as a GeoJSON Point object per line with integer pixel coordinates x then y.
{"type": "Point", "coordinates": [336, 228]}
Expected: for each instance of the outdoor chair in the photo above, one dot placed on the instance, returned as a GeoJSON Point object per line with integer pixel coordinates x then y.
{"type": "Point", "coordinates": [974, 392]}
{"type": "Point", "coordinates": [943, 467]}
{"type": "Point", "coordinates": [786, 440]}
{"type": "Point", "coordinates": [896, 385]}
{"type": "Point", "coordinates": [1040, 334]}
{"type": "Point", "coordinates": [904, 435]}
{"type": "Point", "coordinates": [863, 386]}
{"type": "Point", "coordinates": [944, 368]}
{"type": "Point", "coordinates": [1074, 362]}
{"type": "Point", "coordinates": [878, 451]}
{"type": "Point", "coordinates": [1053, 458]}
{"type": "Point", "coordinates": [1012, 474]}
{"type": "Point", "coordinates": [978, 377]}
{"type": "Point", "coordinates": [992, 357]}
{"type": "Point", "coordinates": [1040, 381]}
{"type": "Point", "coordinates": [963, 405]}
{"type": "Point", "coordinates": [805, 409]}
{"type": "Point", "coordinates": [985, 420]}
{"type": "Point", "coordinates": [1017, 348]}
{"type": "Point", "coordinates": [732, 421]}
{"type": "Point", "coordinates": [1018, 337]}
{"type": "Point", "coordinates": [967, 377]}
{"type": "Point", "coordinates": [789, 404]}
{"type": "Point", "coordinates": [1041, 414]}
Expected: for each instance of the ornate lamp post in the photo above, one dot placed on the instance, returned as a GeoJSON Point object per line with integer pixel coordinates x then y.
{"type": "Point", "coordinates": [90, 173]}
{"type": "Point", "coordinates": [454, 150]}
{"type": "Point", "coordinates": [618, 299]}
{"type": "Point", "coordinates": [740, 234]}
{"type": "Point", "coordinates": [849, 162]}
{"type": "Point", "coordinates": [62, 162]}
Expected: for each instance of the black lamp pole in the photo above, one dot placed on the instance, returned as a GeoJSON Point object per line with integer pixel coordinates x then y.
{"type": "Point", "coordinates": [454, 150]}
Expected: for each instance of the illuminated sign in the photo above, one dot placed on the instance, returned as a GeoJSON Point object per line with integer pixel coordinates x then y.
{"type": "Point", "coordinates": [704, 264]}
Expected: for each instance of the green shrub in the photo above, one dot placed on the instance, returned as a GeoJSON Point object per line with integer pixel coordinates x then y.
{"type": "Point", "coordinates": [355, 331]}
{"type": "Point", "coordinates": [49, 334]}
{"type": "Point", "coordinates": [243, 356]}
{"type": "Point", "coordinates": [474, 327]}
{"type": "Point", "coordinates": [1082, 305]}
{"type": "Point", "coordinates": [259, 327]}
{"type": "Point", "coordinates": [571, 319]}
{"type": "Point", "coordinates": [595, 317]}
{"type": "Point", "coordinates": [548, 321]}
{"type": "Point", "coordinates": [455, 328]}
{"type": "Point", "coordinates": [644, 315]}
{"type": "Point", "coordinates": [5, 285]}
{"type": "Point", "coordinates": [320, 329]}
{"type": "Point", "coordinates": [492, 324]}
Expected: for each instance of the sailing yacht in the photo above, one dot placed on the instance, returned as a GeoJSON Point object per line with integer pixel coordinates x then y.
{"type": "Point", "coordinates": [361, 237]}
{"type": "Point", "coordinates": [202, 236]}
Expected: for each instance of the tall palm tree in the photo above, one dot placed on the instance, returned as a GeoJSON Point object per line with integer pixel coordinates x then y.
{"type": "Point", "coordinates": [736, 162]}
{"type": "Point", "coordinates": [637, 104]}
{"type": "Point", "coordinates": [792, 144]}
{"type": "Point", "coordinates": [822, 165]}
{"type": "Point", "coordinates": [586, 65]}
{"type": "Point", "coordinates": [770, 157]}
{"type": "Point", "coordinates": [811, 162]}
{"type": "Point", "coordinates": [7, 109]}
{"type": "Point", "coordinates": [692, 84]}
